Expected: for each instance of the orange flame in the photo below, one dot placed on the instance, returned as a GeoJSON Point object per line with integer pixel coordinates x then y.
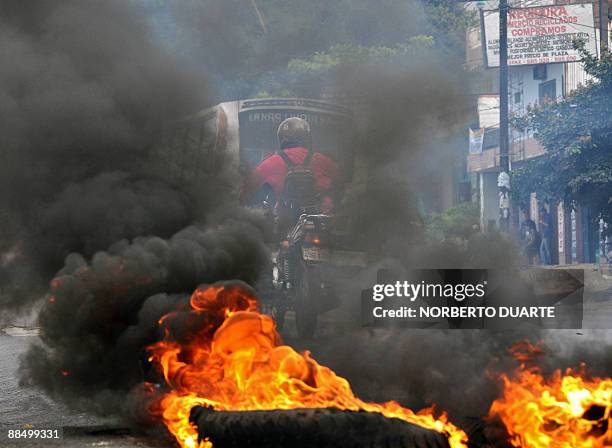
{"type": "Point", "coordinates": [564, 411]}
{"type": "Point", "coordinates": [235, 361]}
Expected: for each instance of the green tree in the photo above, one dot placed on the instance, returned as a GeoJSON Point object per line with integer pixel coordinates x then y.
{"type": "Point", "coordinates": [307, 76]}
{"type": "Point", "coordinates": [458, 222]}
{"type": "Point", "coordinates": [441, 31]}
{"type": "Point", "coordinates": [577, 135]}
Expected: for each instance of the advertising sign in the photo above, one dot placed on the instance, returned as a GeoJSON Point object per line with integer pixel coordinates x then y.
{"type": "Point", "coordinates": [541, 35]}
{"type": "Point", "coordinates": [476, 139]}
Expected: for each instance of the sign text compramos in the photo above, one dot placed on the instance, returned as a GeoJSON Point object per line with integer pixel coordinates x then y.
{"type": "Point", "coordinates": [541, 35]}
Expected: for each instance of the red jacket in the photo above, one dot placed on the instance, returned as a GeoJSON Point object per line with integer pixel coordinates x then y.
{"type": "Point", "coordinates": [273, 170]}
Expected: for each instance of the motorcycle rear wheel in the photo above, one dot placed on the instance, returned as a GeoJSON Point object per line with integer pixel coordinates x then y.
{"type": "Point", "coordinates": [278, 314]}
{"type": "Point", "coordinates": [305, 309]}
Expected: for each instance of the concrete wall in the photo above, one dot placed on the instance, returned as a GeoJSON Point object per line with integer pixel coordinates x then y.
{"type": "Point", "coordinates": [521, 81]}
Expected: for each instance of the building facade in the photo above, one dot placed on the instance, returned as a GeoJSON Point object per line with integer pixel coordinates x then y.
{"type": "Point", "coordinates": [576, 236]}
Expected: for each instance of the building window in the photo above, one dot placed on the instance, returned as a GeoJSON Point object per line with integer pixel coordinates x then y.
{"type": "Point", "coordinates": [539, 72]}
{"type": "Point", "coordinates": [548, 91]}
{"type": "Point", "coordinates": [491, 138]}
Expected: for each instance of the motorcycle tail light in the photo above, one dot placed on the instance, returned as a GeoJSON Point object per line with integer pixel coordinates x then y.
{"type": "Point", "coordinates": [312, 239]}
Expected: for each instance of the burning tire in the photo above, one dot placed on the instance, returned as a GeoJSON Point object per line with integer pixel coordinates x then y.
{"type": "Point", "coordinates": [322, 428]}
{"type": "Point", "coordinates": [247, 367]}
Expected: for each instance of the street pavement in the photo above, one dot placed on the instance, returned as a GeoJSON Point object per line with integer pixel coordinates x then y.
{"type": "Point", "coordinates": [22, 408]}
{"type": "Point", "coordinates": [597, 297]}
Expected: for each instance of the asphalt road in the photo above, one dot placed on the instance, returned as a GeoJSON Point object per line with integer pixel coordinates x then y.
{"type": "Point", "coordinates": [22, 408]}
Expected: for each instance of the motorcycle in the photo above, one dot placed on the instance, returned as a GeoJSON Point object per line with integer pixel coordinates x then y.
{"type": "Point", "coordinates": [311, 251]}
{"type": "Point", "coordinates": [302, 273]}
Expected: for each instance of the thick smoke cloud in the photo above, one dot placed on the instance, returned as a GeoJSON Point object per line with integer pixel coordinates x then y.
{"type": "Point", "coordinates": [407, 121]}
{"type": "Point", "coordinates": [456, 370]}
{"type": "Point", "coordinates": [101, 314]}
{"type": "Point", "coordinates": [117, 204]}
{"type": "Point", "coordinates": [84, 89]}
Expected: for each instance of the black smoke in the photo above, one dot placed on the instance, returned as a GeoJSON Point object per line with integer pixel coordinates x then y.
{"type": "Point", "coordinates": [101, 314]}
{"type": "Point", "coordinates": [408, 127]}
{"type": "Point", "coordinates": [88, 222]}
{"type": "Point", "coordinates": [406, 122]}
{"type": "Point", "coordinates": [457, 370]}
{"type": "Point", "coordinates": [84, 90]}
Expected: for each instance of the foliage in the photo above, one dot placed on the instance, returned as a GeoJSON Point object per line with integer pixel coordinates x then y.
{"type": "Point", "coordinates": [247, 54]}
{"type": "Point", "coordinates": [447, 23]}
{"type": "Point", "coordinates": [577, 135]}
{"type": "Point", "coordinates": [458, 222]}
{"type": "Point", "coordinates": [349, 54]}
{"type": "Point", "coordinates": [318, 69]}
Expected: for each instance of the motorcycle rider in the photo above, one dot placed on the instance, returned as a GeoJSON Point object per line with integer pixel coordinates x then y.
{"type": "Point", "coordinates": [297, 181]}
{"type": "Point", "coordinates": [295, 150]}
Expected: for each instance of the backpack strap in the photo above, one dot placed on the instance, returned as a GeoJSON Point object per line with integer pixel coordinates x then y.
{"type": "Point", "coordinates": [308, 158]}
{"type": "Point", "coordinates": [290, 163]}
{"type": "Point", "coordinates": [286, 159]}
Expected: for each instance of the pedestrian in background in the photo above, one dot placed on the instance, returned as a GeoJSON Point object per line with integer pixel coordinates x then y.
{"type": "Point", "coordinates": [530, 239]}
{"type": "Point", "coordinates": [546, 230]}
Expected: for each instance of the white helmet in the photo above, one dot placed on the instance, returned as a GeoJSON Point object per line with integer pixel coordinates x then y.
{"type": "Point", "coordinates": [294, 132]}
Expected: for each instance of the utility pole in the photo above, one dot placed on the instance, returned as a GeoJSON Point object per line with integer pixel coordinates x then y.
{"type": "Point", "coordinates": [503, 180]}
{"type": "Point", "coordinates": [603, 24]}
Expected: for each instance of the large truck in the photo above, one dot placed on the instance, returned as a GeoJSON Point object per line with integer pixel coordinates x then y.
{"type": "Point", "coordinates": [237, 135]}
